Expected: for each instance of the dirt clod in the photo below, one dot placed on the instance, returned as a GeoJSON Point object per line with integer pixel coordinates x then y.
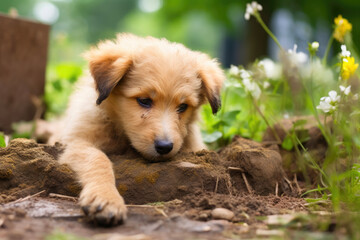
{"type": "Point", "coordinates": [249, 162]}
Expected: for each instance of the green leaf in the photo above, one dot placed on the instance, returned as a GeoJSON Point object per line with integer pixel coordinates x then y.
{"type": "Point", "coordinates": [287, 144]}
{"type": "Point", "coordinates": [211, 137]}
{"type": "Point", "coordinates": [230, 116]}
{"type": "Point", "coordinates": [227, 119]}
{"type": "Point", "coordinates": [2, 140]}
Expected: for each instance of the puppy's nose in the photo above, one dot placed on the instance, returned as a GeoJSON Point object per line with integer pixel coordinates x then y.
{"type": "Point", "coordinates": [163, 146]}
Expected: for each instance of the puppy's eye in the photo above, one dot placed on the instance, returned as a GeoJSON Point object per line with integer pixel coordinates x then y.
{"type": "Point", "coordinates": [182, 108]}
{"type": "Point", "coordinates": [144, 102]}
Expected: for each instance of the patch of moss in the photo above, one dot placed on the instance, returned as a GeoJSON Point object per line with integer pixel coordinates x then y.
{"type": "Point", "coordinates": [150, 177]}
{"type": "Point", "coordinates": [74, 188]}
{"type": "Point", "coordinates": [7, 170]}
{"type": "Point", "coordinates": [122, 188]}
{"type": "Point", "coordinates": [57, 235]}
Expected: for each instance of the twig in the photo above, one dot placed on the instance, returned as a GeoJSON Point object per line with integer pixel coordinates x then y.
{"type": "Point", "coordinates": [161, 212]}
{"type": "Point", "coordinates": [289, 183]}
{"type": "Point", "coordinates": [248, 187]}
{"type": "Point", "coordinates": [140, 206]}
{"type": "Point", "coordinates": [27, 197]}
{"type": "Point", "coordinates": [236, 169]}
{"type": "Point", "coordinates": [324, 202]}
{"type": "Point", "coordinates": [55, 195]}
{"type": "Point", "coordinates": [228, 186]}
{"type": "Point", "coordinates": [277, 189]}
{"type": "Point", "coordinates": [217, 184]}
{"type": "Point", "coordinates": [297, 184]}
{"type": "Point", "coordinates": [149, 206]}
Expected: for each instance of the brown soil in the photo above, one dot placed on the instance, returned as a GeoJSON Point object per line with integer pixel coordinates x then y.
{"type": "Point", "coordinates": [243, 177]}
{"type": "Point", "coordinates": [189, 218]}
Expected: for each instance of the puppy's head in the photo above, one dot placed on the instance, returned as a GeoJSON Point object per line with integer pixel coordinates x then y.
{"type": "Point", "coordinates": [152, 89]}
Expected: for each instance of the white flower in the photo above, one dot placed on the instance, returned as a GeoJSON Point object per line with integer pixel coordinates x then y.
{"type": "Point", "coordinates": [344, 52]}
{"type": "Point", "coordinates": [252, 88]}
{"type": "Point", "coordinates": [230, 83]}
{"type": "Point", "coordinates": [316, 71]}
{"type": "Point", "coordinates": [272, 70]}
{"type": "Point", "coordinates": [315, 45]}
{"type": "Point", "coordinates": [329, 104]}
{"type": "Point", "coordinates": [325, 106]}
{"type": "Point", "coordinates": [234, 70]}
{"type": "Point", "coordinates": [266, 84]}
{"type": "Point", "coordinates": [334, 97]}
{"type": "Point", "coordinates": [249, 85]}
{"type": "Point", "coordinates": [356, 97]}
{"type": "Point", "coordinates": [245, 74]}
{"type": "Point", "coordinates": [345, 90]}
{"type": "Point", "coordinates": [251, 9]}
{"type": "Point", "coordinates": [297, 57]}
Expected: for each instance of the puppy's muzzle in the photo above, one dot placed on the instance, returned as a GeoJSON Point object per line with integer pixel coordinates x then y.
{"type": "Point", "coordinates": [163, 146]}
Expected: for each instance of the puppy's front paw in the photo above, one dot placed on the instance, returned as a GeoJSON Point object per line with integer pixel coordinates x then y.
{"type": "Point", "coordinates": [103, 205]}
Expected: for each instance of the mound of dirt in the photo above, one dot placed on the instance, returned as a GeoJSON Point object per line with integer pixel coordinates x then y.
{"type": "Point", "coordinates": [244, 166]}
{"type": "Point", "coordinates": [27, 168]}
{"type": "Point", "coordinates": [307, 130]}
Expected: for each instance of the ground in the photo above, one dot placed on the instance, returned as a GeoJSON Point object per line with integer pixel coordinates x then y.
{"type": "Point", "coordinates": [190, 218]}
{"type": "Point", "coordinates": [167, 200]}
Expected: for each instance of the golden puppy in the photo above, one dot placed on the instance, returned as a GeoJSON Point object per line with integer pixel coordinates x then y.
{"type": "Point", "coordinates": [144, 93]}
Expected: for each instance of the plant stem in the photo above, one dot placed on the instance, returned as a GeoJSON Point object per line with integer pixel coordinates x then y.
{"type": "Point", "coordinates": [266, 121]}
{"type": "Point", "coordinates": [327, 50]}
{"type": "Point", "coordinates": [222, 116]}
{"type": "Point", "coordinates": [267, 30]}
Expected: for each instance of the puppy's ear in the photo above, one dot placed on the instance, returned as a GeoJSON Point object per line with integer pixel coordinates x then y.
{"type": "Point", "coordinates": [212, 77]}
{"type": "Point", "coordinates": [108, 63]}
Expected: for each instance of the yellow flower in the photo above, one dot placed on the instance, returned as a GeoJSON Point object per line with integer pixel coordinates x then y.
{"type": "Point", "coordinates": [342, 26]}
{"type": "Point", "coordinates": [348, 67]}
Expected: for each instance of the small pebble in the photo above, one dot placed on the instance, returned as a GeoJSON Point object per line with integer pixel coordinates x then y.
{"type": "Point", "coordinates": [203, 216]}
{"type": "Point", "coordinates": [222, 213]}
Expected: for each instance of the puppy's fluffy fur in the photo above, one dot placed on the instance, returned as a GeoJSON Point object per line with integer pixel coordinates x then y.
{"type": "Point", "coordinates": [144, 93]}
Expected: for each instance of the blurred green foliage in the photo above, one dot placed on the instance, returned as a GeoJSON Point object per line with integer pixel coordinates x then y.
{"type": "Point", "coordinates": [2, 140]}
{"type": "Point", "coordinates": [60, 82]}
{"type": "Point", "coordinates": [204, 25]}
{"type": "Point", "coordinates": [60, 235]}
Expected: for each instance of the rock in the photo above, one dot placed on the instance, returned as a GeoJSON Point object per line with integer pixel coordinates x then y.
{"type": "Point", "coordinates": [270, 233]}
{"type": "Point", "coordinates": [44, 207]}
{"type": "Point", "coordinates": [222, 213]}
{"type": "Point", "coordinates": [203, 216]}
{"type": "Point", "coordinates": [200, 227]}
{"type": "Point", "coordinates": [280, 220]}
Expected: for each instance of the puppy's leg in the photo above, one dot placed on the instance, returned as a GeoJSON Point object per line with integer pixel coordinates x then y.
{"type": "Point", "coordinates": [99, 197]}
{"type": "Point", "coordinates": [193, 141]}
